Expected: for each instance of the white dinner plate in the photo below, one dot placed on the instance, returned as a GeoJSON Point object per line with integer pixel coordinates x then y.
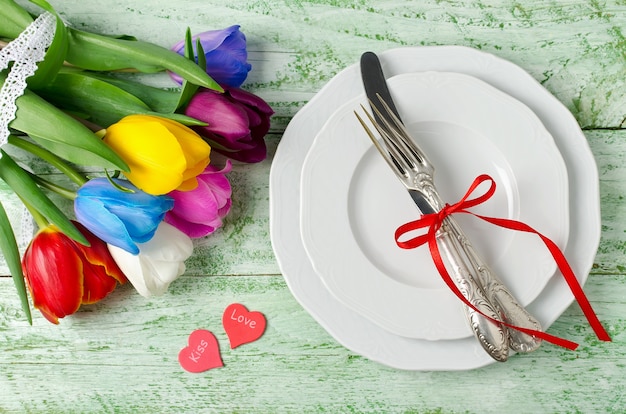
{"type": "Point", "coordinates": [358, 333]}
{"type": "Point", "coordinates": [351, 203]}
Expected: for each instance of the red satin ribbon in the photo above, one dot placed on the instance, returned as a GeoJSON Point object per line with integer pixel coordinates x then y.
{"type": "Point", "coordinates": [434, 221]}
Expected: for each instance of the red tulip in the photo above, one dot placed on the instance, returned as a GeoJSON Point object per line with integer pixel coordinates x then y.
{"type": "Point", "coordinates": [62, 274]}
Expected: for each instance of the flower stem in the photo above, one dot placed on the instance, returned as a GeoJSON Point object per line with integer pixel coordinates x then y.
{"type": "Point", "coordinates": [55, 188]}
{"type": "Point", "coordinates": [39, 218]}
{"type": "Point", "coordinates": [48, 156]}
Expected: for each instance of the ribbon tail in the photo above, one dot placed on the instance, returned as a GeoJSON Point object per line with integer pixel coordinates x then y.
{"type": "Point", "coordinates": [443, 272]}
{"type": "Point", "coordinates": [564, 267]}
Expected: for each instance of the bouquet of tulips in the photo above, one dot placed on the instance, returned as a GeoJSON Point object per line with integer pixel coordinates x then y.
{"type": "Point", "coordinates": [138, 157]}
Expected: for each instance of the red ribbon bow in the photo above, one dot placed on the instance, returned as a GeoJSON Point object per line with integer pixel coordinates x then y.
{"type": "Point", "coordinates": [434, 221]}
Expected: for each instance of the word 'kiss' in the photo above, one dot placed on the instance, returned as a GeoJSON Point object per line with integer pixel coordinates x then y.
{"type": "Point", "coordinates": [202, 354]}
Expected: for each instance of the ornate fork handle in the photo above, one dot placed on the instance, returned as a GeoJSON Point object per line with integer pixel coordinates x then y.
{"type": "Point", "coordinates": [507, 307]}
{"type": "Point", "coordinates": [492, 337]}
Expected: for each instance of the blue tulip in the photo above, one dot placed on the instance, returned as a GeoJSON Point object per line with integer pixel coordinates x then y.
{"type": "Point", "coordinates": [119, 217]}
{"type": "Point", "coordinates": [226, 55]}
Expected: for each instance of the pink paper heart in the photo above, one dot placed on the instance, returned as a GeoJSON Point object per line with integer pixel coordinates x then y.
{"type": "Point", "coordinates": [202, 354]}
{"type": "Point", "coordinates": [241, 325]}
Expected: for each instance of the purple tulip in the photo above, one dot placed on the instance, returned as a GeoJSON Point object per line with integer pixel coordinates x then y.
{"type": "Point", "coordinates": [226, 55]}
{"type": "Point", "coordinates": [199, 212]}
{"type": "Point", "coordinates": [237, 122]}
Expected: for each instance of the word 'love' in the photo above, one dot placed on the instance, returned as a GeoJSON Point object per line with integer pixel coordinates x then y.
{"type": "Point", "coordinates": [241, 325]}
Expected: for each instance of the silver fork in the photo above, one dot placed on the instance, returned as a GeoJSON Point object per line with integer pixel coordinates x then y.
{"type": "Point", "coordinates": [473, 277]}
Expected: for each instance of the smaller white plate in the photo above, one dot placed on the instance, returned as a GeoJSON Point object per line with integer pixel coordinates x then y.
{"type": "Point", "coordinates": [351, 202]}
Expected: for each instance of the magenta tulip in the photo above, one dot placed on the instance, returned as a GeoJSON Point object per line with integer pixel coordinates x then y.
{"type": "Point", "coordinates": [237, 122]}
{"type": "Point", "coordinates": [199, 212]}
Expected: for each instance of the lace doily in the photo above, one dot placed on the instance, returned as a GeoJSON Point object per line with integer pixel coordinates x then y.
{"type": "Point", "coordinates": [26, 51]}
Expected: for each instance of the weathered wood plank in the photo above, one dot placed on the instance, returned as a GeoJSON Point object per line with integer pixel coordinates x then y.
{"type": "Point", "coordinates": [575, 48]}
{"type": "Point", "coordinates": [609, 149]}
{"type": "Point", "coordinates": [120, 356]}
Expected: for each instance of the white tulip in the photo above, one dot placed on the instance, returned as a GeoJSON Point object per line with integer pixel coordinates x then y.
{"type": "Point", "coordinates": [159, 262]}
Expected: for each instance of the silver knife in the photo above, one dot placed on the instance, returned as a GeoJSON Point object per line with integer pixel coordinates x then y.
{"type": "Point", "coordinates": [485, 291]}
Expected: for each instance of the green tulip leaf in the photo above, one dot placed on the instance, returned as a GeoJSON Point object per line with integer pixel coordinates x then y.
{"type": "Point", "coordinates": [14, 19]}
{"type": "Point", "coordinates": [9, 249]}
{"type": "Point", "coordinates": [55, 55]}
{"type": "Point", "coordinates": [188, 88]}
{"type": "Point", "coordinates": [162, 102]}
{"type": "Point", "coordinates": [27, 189]}
{"type": "Point", "coordinates": [60, 133]}
{"type": "Point", "coordinates": [180, 118]}
{"type": "Point", "coordinates": [105, 103]}
{"type": "Point", "coordinates": [102, 101]}
{"type": "Point", "coordinates": [159, 100]}
{"type": "Point", "coordinates": [51, 158]}
{"type": "Point", "coordinates": [103, 53]}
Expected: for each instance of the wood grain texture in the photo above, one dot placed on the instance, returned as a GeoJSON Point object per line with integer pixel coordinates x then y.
{"type": "Point", "coordinates": [120, 354]}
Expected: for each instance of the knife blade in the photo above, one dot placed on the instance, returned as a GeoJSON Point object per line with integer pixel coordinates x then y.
{"type": "Point", "coordinates": [376, 89]}
{"type": "Point", "coordinates": [493, 337]}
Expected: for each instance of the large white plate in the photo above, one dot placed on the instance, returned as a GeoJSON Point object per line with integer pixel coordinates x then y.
{"type": "Point", "coordinates": [351, 203]}
{"type": "Point", "coordinates": [352, 330]}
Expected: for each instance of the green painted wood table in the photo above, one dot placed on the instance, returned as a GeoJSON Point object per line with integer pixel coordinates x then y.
{"type": "Point", "coordinates": [120, 355]}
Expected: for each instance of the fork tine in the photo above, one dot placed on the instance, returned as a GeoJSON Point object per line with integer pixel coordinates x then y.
{"type": "Point", "coordinates": [387, 156]}
{"type": "Point", "coordinates": [392, 154]}
{"type": "Point", "coordinates": [403, 138]}
{"type": "Point", "coordinates": [370, 134]}
{"type": "Point", "coordinates": [396, 136]}
{"type": "Point", "coordinates": [386, 131]}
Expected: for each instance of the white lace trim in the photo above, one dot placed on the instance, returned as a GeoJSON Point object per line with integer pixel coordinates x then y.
{"type": "Point", "coordinates": [26, 51]}
{"type": "Point", "coordinates": [27, 230]}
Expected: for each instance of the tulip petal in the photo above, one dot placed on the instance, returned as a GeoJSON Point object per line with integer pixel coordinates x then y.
{"type": "Point", "coordinates": [160, 261]}
{"type": "Point", "coordinates": [256, 154]}
{"type": "Point", "coordinates": [140, 225]}
{"type": "Point", "coordinates": [196, 206]}
{"type": "Point", "coordinates": [100, 272]}
{"type": "Point", "coordinates": [195, 149]}
{"type": "Point", "coordinates": [225, 55]}
{"type": "Point", "coordinates": [131, 266]}
{"type": "Point", "coordinates": [228, 67]}
{"type": "Point", "coordinates": [53, 272]}
{"type": "Point", "coordinates": [223, 117]}
{"type": "Point", "coordinates": [97, 283]}
{"type": "Point", "coordinates": [153, 154]}
{"type": "Point", "coordinates": [237, 122]}
{"type": "Point", "coordinates": [250, 99]}
{"type": "Point", "coordinates": [118, 217]}
{"type": "Point", "coordinates": [193, 230]}
{"type": "Point", "coordinates": [199, 212]}
{"type": "Point", "coordinates": [210, 39]}
{"type": "Point", "coordinates": [106, 226]}
{"type": "Point", "coordinates": [162, 154]}
{"type": "Point", "coordinates": [97, 254]}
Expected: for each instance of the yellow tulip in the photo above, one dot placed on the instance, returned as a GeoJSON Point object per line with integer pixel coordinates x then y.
{"type": "Point", "coordinates": [163, 155]}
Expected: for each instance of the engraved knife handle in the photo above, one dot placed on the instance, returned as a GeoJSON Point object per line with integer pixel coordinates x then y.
{"type": "Point", "coordinates": [499, 295]}
{"type": "Point", "coordinates": [493, 337]}
{"type": "Point", "coordinates": [507, 307]}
